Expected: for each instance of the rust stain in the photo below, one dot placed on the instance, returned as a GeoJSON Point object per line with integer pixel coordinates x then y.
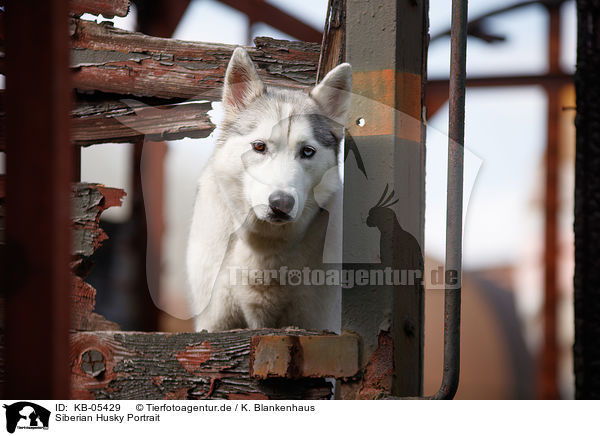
{"type": "Point", "coordinates": [390, 102]}
{"type": "Point", "coordinates": [377, 379]}
{"type": "Point", "coordinates": [378, 85]}
{"type": "Point", "coordinates": [294, 357]}
{"type": "Point", "coordinates": [271, 356]}
{"type": "Point", "coordinates": [194, 356]}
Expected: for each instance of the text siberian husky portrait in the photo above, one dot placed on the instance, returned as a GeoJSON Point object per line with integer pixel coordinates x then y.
{"type": "Point", "coordinates": [259, 203]}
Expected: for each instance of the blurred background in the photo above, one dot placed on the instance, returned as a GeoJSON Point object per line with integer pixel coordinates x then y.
{"type": "Point", "coordinates": [515, 106]}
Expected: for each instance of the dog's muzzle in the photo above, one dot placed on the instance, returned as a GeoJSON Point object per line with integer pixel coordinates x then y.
{"type": "Point", "coordinates": [281, 204]}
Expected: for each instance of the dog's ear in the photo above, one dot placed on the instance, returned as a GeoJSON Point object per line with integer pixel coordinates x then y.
{"type": "Point", "coordinates": [334, 92]}
{"type": "Point", "coordinates": [242, 83]}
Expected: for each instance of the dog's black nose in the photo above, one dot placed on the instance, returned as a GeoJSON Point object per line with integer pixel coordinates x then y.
{"type": "Point", "coordinates": [280, 202]}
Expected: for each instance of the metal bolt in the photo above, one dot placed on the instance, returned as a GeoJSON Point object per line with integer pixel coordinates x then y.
{"type": "Point", "coordinates": [92, 363]}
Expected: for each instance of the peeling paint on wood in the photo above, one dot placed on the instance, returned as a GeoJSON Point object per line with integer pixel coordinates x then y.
{"type": "Point", "coordinates": [181, 366]}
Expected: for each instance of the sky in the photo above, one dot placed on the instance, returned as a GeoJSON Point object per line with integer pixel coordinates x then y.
{"type": "Point", "coordinates": [504, 129]}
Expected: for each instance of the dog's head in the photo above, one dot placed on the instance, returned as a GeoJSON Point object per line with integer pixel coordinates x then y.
{"type": "Point", "coordinates": [278, 149]}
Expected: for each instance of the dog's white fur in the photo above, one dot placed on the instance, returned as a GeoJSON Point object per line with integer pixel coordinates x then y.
{"type": "Point", "coordinates": [232, 226]}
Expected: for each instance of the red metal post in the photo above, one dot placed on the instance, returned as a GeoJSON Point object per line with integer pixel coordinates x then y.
{"type": "Point", "coordinates": [39, 169]}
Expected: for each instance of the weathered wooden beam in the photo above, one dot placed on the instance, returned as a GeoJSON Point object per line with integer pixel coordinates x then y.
{"type": "Point", "coordinates": [128, 120]}
{"type": "Point", "coordinates": [294, 357]}
{"type": "Point", "coordinates": [113, 60]}
{"type": "Point", "coordinates": [108, 8]}
{"type": "Point", "coordinates": [132, 365]}
{"type": "Point", "coordinates": [98, 121]}
{"type": "Point", "coordinates": [88, 202]}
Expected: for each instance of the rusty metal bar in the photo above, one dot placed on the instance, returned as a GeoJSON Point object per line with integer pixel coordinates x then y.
{"type": "Point", "coordinates": [38, 192]}
{"type": "Point", "coordinates": [549, 359]}
{"type": "Point", "coordinates": [452, 295]}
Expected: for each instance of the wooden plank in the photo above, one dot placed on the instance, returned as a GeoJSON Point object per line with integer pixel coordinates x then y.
{"type": "Point", "coordinates": [108, 8]}
{"type": "Point", "coordinates": [133, 365]}
{"type": "Point", "coordinates": [103, 120]}
{"type": "Point", "coordinates": [129, 120]}
{"type": "Point", "coordinates": [39, 172]}
{"type": "Point", "coordinates": [113, 60]}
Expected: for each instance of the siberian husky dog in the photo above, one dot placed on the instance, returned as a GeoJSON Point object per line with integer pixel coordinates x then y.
{"type": "Point", "coordinates": [257, 226]}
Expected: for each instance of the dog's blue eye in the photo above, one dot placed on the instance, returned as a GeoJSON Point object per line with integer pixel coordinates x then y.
{"type": "Point", "coordinates": [259, 146]}
{"type": "Point", "coordinates": [308, 152]}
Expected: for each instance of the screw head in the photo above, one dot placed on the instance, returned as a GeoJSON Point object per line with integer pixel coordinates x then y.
{"type": "Point", "coordinates": [92, 363]}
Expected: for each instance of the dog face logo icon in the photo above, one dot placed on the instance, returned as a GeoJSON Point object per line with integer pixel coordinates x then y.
{"type": "Point", "coordinates": [26, 415]}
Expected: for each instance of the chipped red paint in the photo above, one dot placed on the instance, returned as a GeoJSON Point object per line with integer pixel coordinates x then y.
{"type": "Point", "coordinates": [378, 375]}
{"type": "Point", "coordinates": [194, 356]}
{"type": "Point", "coordinates": [113, 197]}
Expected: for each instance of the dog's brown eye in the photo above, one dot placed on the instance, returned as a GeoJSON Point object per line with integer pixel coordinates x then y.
{"type": "Point", "coordinates": [307, 152]}
{"type": "Point", "coordinates": [259, 146]}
